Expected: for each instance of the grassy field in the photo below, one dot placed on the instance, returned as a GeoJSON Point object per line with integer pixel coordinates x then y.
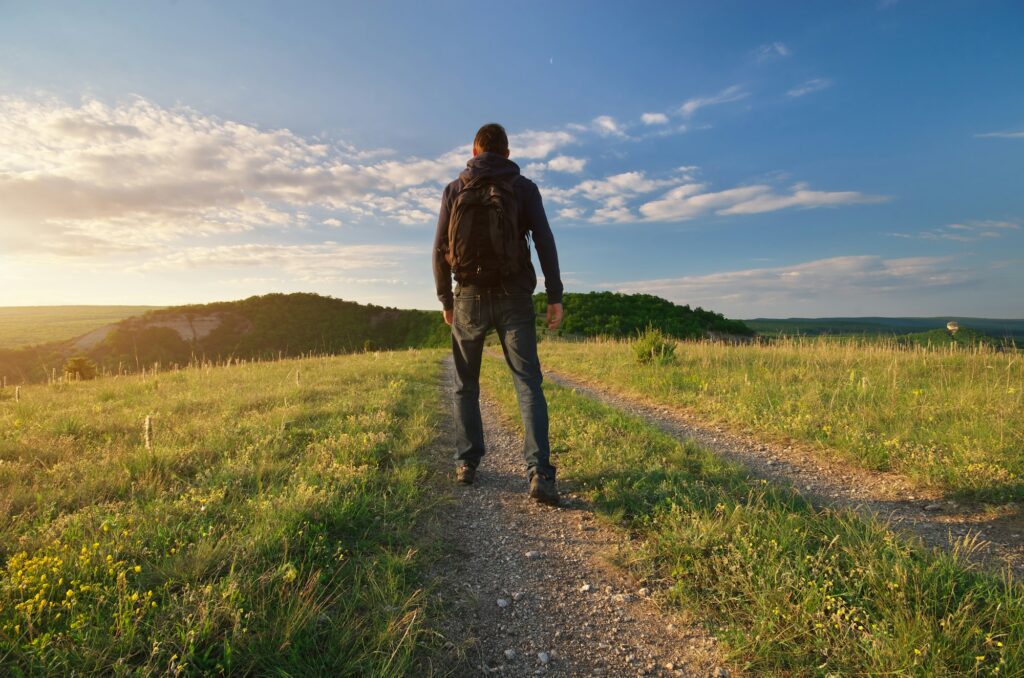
{"type": "Point", "coordinates": [947, 419]}
{"type": "Point", "coordinates": [271, 527]}
{"type": "Point", "coordinates": [788, 589]}
{"type": "Point", "coordinates": [27, 325]}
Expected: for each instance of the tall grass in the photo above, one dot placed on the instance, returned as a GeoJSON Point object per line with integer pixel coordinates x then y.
{"type": "Point", "coordinates": [950, 419]}
{"type": "Point", "coordinates": [787, 588]}
{"type": "Point", "coordinates": [270, 528]}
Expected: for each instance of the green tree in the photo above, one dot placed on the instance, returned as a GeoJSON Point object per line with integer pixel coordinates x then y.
{"type": "Point", "coordinates": [80, 368]}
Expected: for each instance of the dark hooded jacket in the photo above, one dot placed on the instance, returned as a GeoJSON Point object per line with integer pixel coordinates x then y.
{"type": "Point", "coordinates": [533, 221]}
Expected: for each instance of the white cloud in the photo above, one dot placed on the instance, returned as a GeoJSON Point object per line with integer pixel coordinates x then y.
{"type": "Point", "coordinates": [532, 144]}
{"type": "Point", "coordinates": [772, 50]}
{"type": "Point", "coordinates": [314, 263]}
{"type": "Point", "coordinates": [969, 231]}
{"type": "Point", "coordinates": [94, 178]}
{"type": "Point", "coordinates": [606, 125]}
{"type": "Point", "coordinates": [654, 118]}
{"type": "Point", "coordinates": [803, 198]}
{"type": "Point", "coordinates": [567, 164]}
{"type": "Point", "coordinates": [613, 210]}
{"type": "Point", "coordinates": [416, 171]}
{"type": "Point", "coordinates": [729, 94]}
{"type": "Point", "coordinates": [1019, 134]}
{"type": "Point", "coordinates": [626, 197]}
{"type": "Point", "coordinates": [690, 200]}
{"type": "Point", "coordinates": [808, 288]}
{"type": "Point", "coordinates": [173, 188]}
{"type": "Point", "coordinates": [624, 184]}
{"type": "Point", "coordinates": [812, 85]}
{"type": "Point", "coordinates": [134, 175]}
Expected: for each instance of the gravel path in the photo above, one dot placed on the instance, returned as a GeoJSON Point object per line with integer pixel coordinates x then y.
{"type": "Point", "coordinates": [888, 495]}
{"type": "Point", "coordinates": [528, 589]}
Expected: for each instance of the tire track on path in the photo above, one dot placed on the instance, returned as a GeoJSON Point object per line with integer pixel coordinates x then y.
{"type": "Point", "coordinates": [826, 483]}
{"type": "Point", "coordinates": [528, 589]}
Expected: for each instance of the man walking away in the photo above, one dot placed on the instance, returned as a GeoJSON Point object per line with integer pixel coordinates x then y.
{"type": "Point", "coordinates": [482, 240]}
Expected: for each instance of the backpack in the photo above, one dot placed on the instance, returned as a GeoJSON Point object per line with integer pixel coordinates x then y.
{"type": "Point", "coordinates": [485, 244]}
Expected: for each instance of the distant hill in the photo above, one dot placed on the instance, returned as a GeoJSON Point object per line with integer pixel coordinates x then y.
{"type": "Point", "coordinates": [965, 336]}
{"type": "Point", "coordinates": [29, 325]}
{"type": "Point", "coordinates": [993, 327]}
{"type": "Point", "coordinates": [614, 314]}
{"type": "Point", "coordinates": [262, 326]}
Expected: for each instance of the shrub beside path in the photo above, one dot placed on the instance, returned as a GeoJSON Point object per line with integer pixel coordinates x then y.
{"type": "Point", "coordinates": [529, 589]}
{"type": "Point", "coordinates": [994, 534]}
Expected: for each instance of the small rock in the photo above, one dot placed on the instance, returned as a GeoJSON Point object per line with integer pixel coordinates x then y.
{"type": "Point", "coordinates": [585, 588]}
{"type": "Point", "coordinates": [644, 592]}
{"type": "Point", "coordinates": [543, 657]}
{"type": "Point", "coordinates": [532, 555]}
{"type": "Point", "coordinates": [517, 596]}
{"type": "Point", "coordinates": [510, 654]}
{"type": "Point", "coordinates": [669, 666]}
{"type": "Point", "coordinates": [502, 602]}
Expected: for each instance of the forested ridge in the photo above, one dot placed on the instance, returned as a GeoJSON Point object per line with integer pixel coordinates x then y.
{"type": "Point", "coordinates": [614, 314]}
{"type": "Point", "coordinates": [273, 325]}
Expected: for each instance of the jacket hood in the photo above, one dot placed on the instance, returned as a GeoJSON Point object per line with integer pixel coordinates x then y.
{"type": "Point", "coordinates": [488, 165]}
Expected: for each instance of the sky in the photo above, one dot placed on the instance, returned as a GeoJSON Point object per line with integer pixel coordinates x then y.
{"type": "Point", "coordinates": [757, 159]}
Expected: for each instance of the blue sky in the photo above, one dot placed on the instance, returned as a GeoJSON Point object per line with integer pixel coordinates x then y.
{"type": "Point", "coordinates": [758, 159]}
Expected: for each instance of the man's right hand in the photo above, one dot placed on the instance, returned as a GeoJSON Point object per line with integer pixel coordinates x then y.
{"type": "Point", "coordinates": [448, 315]}
{"type": "Point", "coordinates": [554, 316]}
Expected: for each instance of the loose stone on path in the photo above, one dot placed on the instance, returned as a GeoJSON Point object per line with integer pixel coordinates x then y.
{"type": "Point", "coordinates": [528, 588]}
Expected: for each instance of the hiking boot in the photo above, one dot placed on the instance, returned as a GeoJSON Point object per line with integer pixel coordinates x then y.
{"type": "Point", "coordinates": [543, 489]}
{"type": "Point", "coordinates": [465, 474]}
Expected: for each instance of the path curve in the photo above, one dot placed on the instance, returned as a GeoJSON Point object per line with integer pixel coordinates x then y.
{"type": "Point", "coordinates": [833, 483]}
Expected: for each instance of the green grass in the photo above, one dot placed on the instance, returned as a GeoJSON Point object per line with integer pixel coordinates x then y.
{"type": "Point", "coordinates": [788, 589]}
{"type": "Point", "coordinates": [28, 325]}
{"type": "Point", "coordinates": [271, 528]}
{"type": "Point", "coordinates": [948, 419]}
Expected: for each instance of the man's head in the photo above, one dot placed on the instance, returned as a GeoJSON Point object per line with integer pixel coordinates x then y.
{"type": "Point", "coordinates": [491, 138]}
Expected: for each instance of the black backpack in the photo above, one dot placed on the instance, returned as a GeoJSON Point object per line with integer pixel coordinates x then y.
{"type": "Point", "coordinates": [485, 244]}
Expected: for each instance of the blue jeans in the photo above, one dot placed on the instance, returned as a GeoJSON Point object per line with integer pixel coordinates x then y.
{"type": "Point", "coordinates": [477, 310]}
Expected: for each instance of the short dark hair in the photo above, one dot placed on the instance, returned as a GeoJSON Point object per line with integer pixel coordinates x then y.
{"type": "Point", "coordinates": [491, 138]}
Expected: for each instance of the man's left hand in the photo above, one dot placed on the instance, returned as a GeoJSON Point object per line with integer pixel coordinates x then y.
{"type": "Point", "coordinates": [554, 316]}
